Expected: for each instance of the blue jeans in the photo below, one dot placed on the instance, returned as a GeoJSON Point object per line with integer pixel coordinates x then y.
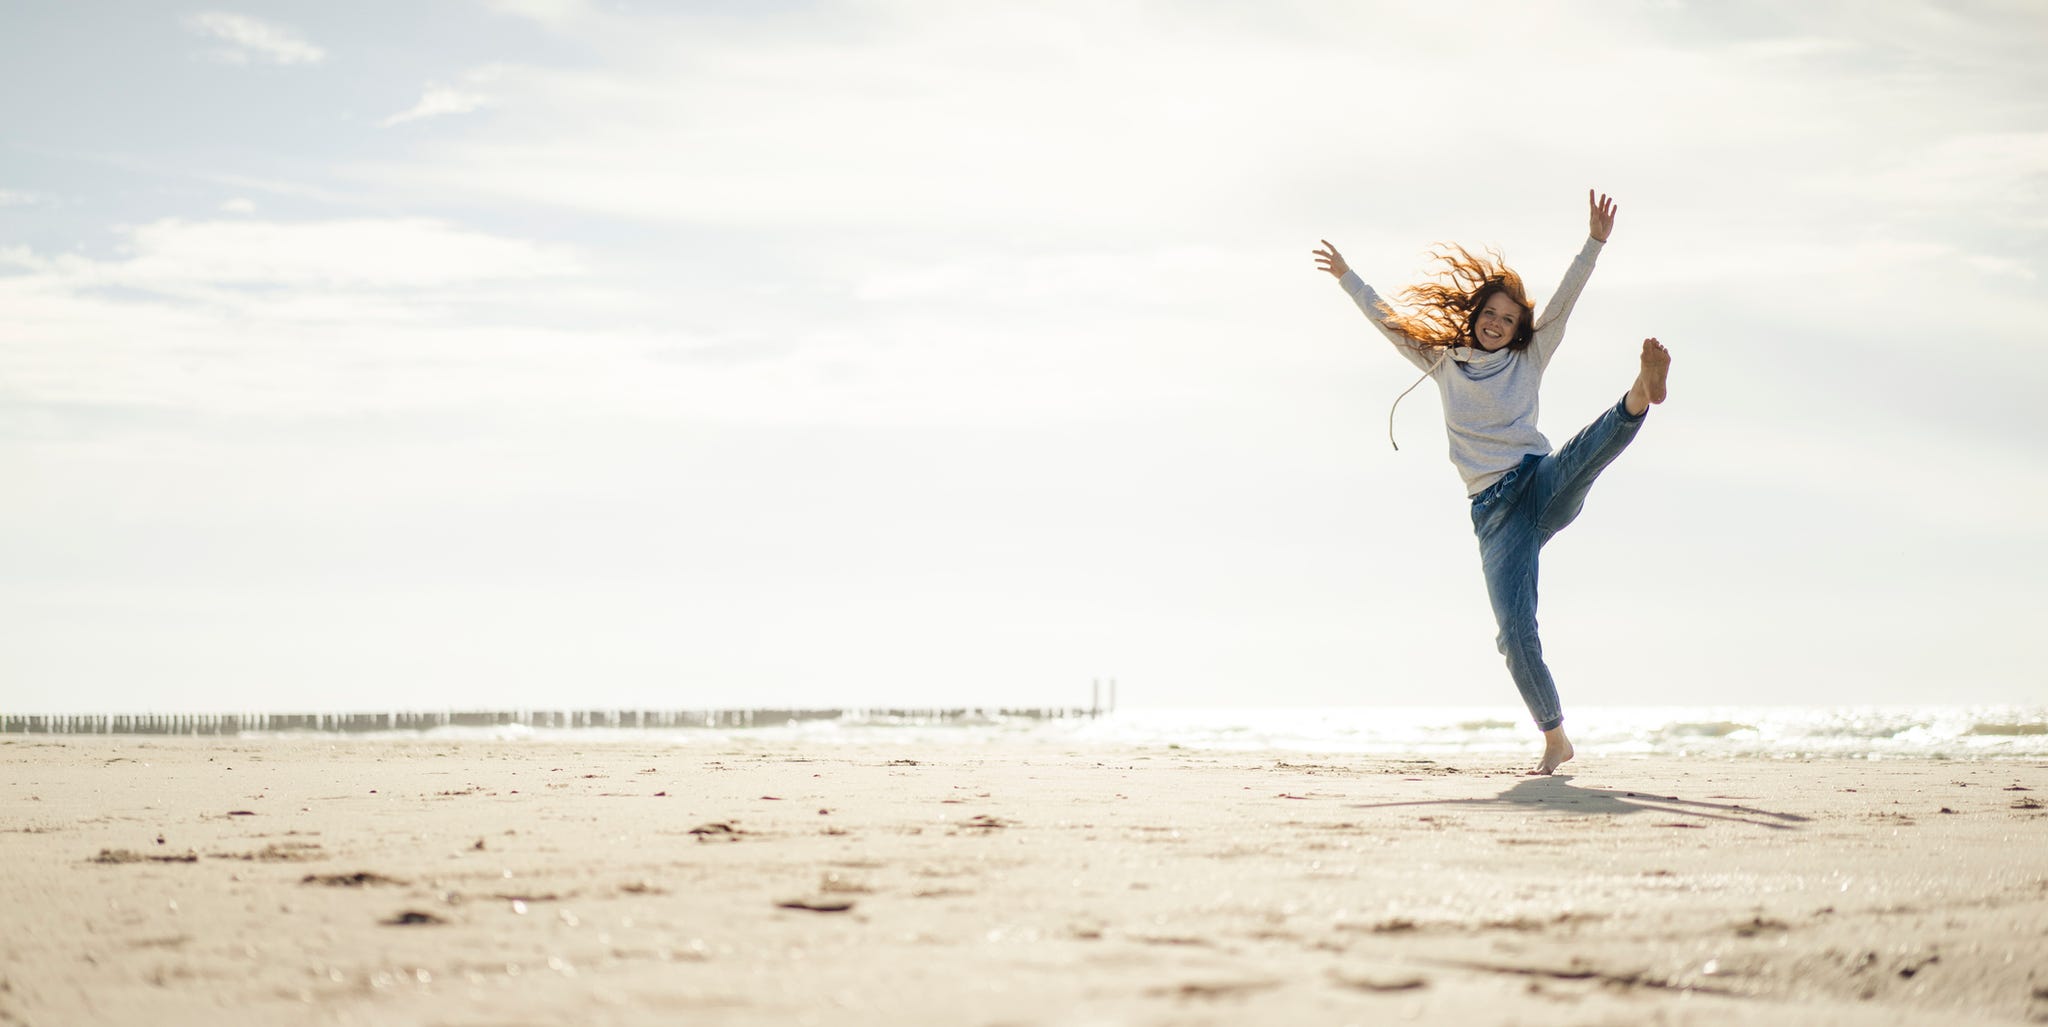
{"type": "Point", "coordinates": [1514, 517]}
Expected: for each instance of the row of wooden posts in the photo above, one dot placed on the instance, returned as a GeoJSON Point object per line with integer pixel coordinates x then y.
{"type": "Point", "coordinates": [417, 720]}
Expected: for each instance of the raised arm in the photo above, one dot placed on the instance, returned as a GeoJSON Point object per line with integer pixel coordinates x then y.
{"type": "Point", "coordinates": [1601, 209]}
{"type": "Point", "coordinates": [1331, 262]}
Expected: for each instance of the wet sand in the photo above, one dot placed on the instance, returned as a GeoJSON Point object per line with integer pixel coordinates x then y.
{"type": "Point", "coordinates": [179, 881]}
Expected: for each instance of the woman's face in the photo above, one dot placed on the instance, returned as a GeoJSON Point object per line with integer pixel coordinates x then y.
{"type": "Point", "coordinates": [1497, 322]}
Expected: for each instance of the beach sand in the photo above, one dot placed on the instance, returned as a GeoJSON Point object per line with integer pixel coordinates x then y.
{"type": "Point", "coordinates": [169, 881]}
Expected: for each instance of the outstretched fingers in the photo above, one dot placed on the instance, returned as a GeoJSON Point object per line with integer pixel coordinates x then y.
{"type": "Point", "coordinates": [1601, 209]}
{"type": "Point", "coordinates": [1330, 260]}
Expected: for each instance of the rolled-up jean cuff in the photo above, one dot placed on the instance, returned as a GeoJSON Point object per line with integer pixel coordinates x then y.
{"type": "Point", "coordinates": [1622, 409]}
{"type": "Point", "coordinates": [1550, 725]}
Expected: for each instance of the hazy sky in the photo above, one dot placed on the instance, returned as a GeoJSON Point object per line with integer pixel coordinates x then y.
{"type": "Point", "coordinates": [543, 352]}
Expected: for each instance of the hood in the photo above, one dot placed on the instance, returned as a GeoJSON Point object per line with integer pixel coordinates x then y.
{"type": "Point", "coordinates": [1479, 364]}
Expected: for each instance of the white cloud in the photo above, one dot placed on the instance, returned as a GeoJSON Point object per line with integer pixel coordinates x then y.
{"type": "Point", "coordinates": [436, 101]}
{"type": "Point", "coordinates": [1021, 118]}
{"type": "Point", "coordinates": [250, 40]}
{"type": "Point", "coordinates": [404, 253]}
{"type": "Point", "coordinates": [1993, 265]}
{"type": "Point", "coordinates": [1072, 121]}
{"type": "Point", "coordinates": [17, 198]}
{"type": "Point", "coordinates": [328, 197]}
{"type": "Point", "coordinates": [2003, 171]}
{"type": "Point", "coordinates": [1793, 48]}
{"type": "Point", "coordinates": [238, 205]}
{"type": "Point", "coordinates": [230, 318]}
{"type": "Point", "coordinates": [547, 12]}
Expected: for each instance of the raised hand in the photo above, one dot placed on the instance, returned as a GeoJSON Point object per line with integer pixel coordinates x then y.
{"type": "Point", "coordinates": [1330, 260]}
{"type": "Point", "coordinates": [1602, 216]}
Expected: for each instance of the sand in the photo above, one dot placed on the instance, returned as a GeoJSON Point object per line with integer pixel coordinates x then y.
{"type": "Point", "coordinates": [321, 881]}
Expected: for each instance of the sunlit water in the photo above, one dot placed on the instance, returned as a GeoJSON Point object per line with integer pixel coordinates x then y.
{"type": "Point", "coordinates": [1873, 733]}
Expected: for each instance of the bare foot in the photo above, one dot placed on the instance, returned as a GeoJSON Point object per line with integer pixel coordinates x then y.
{"type": "Point", "coordinates": [1649, 386]}
{"type": "Point", "coordinates": [1556, 750]}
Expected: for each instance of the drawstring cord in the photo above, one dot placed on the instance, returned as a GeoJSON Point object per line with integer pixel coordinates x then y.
{"type": "Point", "coordinates": [1404, 395]}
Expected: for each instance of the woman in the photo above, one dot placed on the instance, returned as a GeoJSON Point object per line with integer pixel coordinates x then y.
{"type": "Point", "coordinates": [1475, 332]}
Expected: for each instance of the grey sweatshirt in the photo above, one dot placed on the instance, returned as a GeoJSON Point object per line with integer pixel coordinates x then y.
{"type": "Point", "coordinates": [1489, 398]}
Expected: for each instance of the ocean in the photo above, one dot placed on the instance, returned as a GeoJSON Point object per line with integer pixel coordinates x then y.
{"type": "Point", "coordinates": [1749, 732]}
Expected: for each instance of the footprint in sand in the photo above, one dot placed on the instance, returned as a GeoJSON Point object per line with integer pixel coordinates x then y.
{"type": "Point", "coordinates": [359, 879]}
{"type": "Point", "coordinates": [818, 905]}
{"type": "Point", "coordinates": [412, 918]}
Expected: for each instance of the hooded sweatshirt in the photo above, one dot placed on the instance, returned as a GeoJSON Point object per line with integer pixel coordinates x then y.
{"type": "Point", "coordinates": [1489, 398]}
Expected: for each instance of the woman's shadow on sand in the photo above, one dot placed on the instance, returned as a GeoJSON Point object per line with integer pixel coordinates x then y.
{"type": "Point", "coordinates": [1557, 794]}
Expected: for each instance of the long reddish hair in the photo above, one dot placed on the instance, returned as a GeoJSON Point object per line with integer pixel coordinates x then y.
{"type": "Point", "coordinates": [1443, 310]}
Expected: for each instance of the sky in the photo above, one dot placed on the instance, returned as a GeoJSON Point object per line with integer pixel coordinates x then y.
{"type": "Point", "coordinates": [576, 353]}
